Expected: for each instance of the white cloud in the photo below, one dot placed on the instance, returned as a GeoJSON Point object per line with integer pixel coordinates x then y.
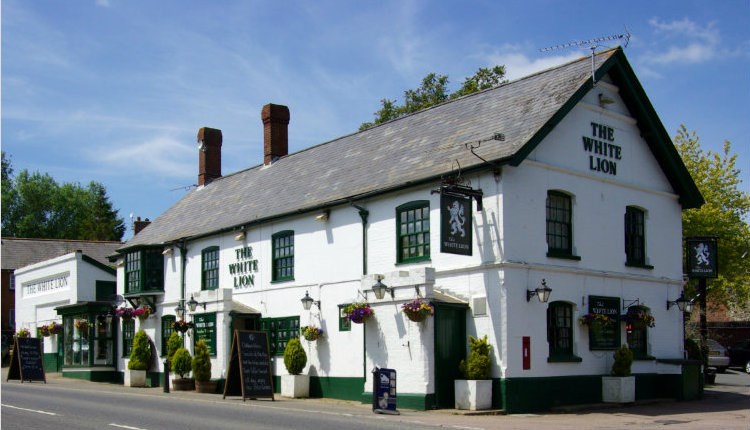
{"type": "Point", "coordinates": [684, 42]}
{"type": "Point", "coordinates": [158, 157]}
{"type": "Point", "coordinates": [517, 64]}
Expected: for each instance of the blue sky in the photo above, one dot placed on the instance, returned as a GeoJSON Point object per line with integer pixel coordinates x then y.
{"type": "Point", "coordinates": [115, 90]}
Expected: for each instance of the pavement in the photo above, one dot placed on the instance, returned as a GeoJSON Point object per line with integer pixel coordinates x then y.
{"type": "Point", "coordinates": [725, 405]}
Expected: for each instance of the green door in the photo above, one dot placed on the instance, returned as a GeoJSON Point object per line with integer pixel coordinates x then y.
{"type": "Point", "coordinates": [450, 349]}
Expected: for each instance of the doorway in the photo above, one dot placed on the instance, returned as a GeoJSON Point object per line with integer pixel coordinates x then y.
{"type": "Point", "coordinates": [450, 349]}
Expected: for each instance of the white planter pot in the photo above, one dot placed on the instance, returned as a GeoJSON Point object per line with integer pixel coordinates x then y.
{"type": "Point", "coordinates": [473, 395]}
{"type": "Point", "coordinates": [618, 389]}
{"type": "Point", "coordinates": [295, 386]}
{"type": "Point", "coordinates": [135, 378]}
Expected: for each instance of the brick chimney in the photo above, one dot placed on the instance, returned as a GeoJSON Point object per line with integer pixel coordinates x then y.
{"type": "Point", "coordinates": [275, 132]}
{"type": "Point", "coordinates": [139, 225]}
{"type": "Point", "coordinates": [209, 155]}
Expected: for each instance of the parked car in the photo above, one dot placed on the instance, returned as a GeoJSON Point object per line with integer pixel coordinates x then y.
{"type": "Point", "coordinates": [718, 356]}
{"type": "Point", "coordinates": [739, 355]}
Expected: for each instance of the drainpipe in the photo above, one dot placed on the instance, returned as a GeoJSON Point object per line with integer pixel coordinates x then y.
{"type": "Point", "coordinates": [183, 260]}
{"type": "Point", "coordinates": [363, 213]}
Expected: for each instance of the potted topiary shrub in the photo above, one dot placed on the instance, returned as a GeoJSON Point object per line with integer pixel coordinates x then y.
{"type": "Point", "coordinates": [202, 369]}
{"type": "Point", "coordinates": [182, 364]}
{"type": "Point", "coordinates": [140, 358]}
{"type": "Point", "coordinates": [173, 344]}
{"type": "Point", "coordinates": [295, 385]}
{"type": "Point", "coordinates": [475, 392]}
{"type": "Point", "coordinates": [620, 387]}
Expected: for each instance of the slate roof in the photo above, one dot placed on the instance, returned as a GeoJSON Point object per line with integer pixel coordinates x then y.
{"type": "Point", "coordinates": [416, 149]}
{"type": "Point", "coordinates": [19, 252]}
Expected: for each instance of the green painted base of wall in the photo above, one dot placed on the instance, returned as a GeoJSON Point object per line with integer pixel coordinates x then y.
{"type": "Point", "coordinates": [416, 401]}
{"type": "Point", "coordinates": [49, 362]}
{"type": "Point", "coordinates": [523, 395]}
{"type": "Point", "coordinates": [111, 376]}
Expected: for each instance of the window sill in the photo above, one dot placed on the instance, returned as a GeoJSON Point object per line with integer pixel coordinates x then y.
{"type": "Point", "coordinates": [643, 357]}
{"type": "Point", "coordinates": [564, 256]}
{"type": "Point", "coordinates": [418, 260]}
{"type": "Point", "coordinates": [564, 359]}
{"type": "Point", "coordinates": [639, 265]}
{"type": "Point", "coordinates": [279, 281]}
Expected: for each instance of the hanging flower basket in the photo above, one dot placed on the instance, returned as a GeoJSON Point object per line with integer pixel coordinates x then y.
{"type": "Point", "coordinates": [417, 310]}
{"type": "Point", "coordinates": [55, 328]}
{"type": "Point", "coordinates": [44, 330]}
{"type": "Point", "coordinates": [23, 333]}
{"type": "Point", "coordinates": [182, 326]}
{"type": "Point", "coordinates": [311, 333]}
{"type": "Point", "coordinates": [143, 312]}
{"type": "Point", "coordinates": [596, 320]}
{"type": "Point", "coordinates": [639, 316]}
{"type": "Point", "coordinates": [125, 313]}
{"type": "Point", "coordinates": [82, 326]}
{"type": "Point", "coordinates": [358, 312]}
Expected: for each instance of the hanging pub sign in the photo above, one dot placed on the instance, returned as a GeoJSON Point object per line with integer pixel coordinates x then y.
{"type": "Point", "coordinates": [702, 257]}
{"type": "Point", "coordinates": [604, 327]}
{"type": "Point", "coordinates": [455, 224]}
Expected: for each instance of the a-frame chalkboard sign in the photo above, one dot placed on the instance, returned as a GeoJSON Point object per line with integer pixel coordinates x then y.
{"type": "Point", "coordinates": [249, 373]}
{"type": "Point", "coordinates": [26, 364]}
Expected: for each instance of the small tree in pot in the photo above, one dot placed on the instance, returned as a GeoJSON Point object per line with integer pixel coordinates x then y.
{"type": "Point", "coordinates": [182, 364]}
{"type": "Point", "coordinates": [475, 392]}
{"type": "Point", "coordinates": [202, 368]}
{"type": "Point", "coordinates": [173, 344]}
{"type": "Point", "coordinates": [295, 359]}
{"type": "Point", "coordinates": [620, 387]}
{"type": "Point", "coordinates": [140, 357]}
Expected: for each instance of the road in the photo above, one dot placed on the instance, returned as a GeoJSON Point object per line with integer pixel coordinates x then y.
{"type": "Point", "coordinates": [72, 404]}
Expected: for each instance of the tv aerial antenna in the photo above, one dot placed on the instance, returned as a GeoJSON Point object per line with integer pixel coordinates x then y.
{"type": "Point", "coordinates": [592, 44]}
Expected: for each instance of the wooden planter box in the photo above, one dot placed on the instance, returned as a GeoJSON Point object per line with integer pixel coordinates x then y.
{"type": "Point", "coordinates": [295, 386]}
{"type": "Point", "coordinates": [205, 387]}
{"type": "Point", "coordinates": [473, 395]}
{"type": "Point", "coordinates": [183, 384]}
{"type": "Point", "coordinates": [618, 389]}
{"type": "Point", "coordinates": [135, 378]}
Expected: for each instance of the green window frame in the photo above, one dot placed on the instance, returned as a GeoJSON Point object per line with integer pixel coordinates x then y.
{"type": "Point", "coordinates": [345, 324]}
{"type": "Point", "coordinates": [210, 268]}
{"type": "Point", "coordinates": [144, 271]}
{"type": "Point", "coordinates": [283, 256]}
{"type": "Point", "coordinates": [128, 333]}
{"type": "Point", "coordinates": [559, 229]}
{"type": "Point", "coordinates": [280, 331]}
{"type": "Point", "coordinates": [635, 237]}
{"type": "Point", "coordinates": [166, 331]}
{"type": "Point", "coordinates": [413, 232]}
{"type": "Point", "coordinates": [560, 332]}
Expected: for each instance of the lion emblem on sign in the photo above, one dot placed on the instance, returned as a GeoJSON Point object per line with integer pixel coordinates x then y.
{"type": "Point", "coordinates": [457, 218]}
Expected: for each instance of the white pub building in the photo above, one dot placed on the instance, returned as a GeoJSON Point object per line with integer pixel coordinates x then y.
{"type": "Point", "coordinates": [516, 212]}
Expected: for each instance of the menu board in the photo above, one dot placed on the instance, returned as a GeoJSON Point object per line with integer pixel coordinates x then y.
{"type": "Point", "coordinates": [249, 373]}
{"type": "Point", "coordinates": [27, 360]}
{"type": "Point", "coordinates": [605, 336]}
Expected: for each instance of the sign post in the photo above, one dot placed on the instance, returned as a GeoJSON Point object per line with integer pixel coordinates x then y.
{"type": "Point", "coordinates": [702, 255]}
{"type": "Point", "coordinates": [249, 370]}
{"type": "Point", "coordinates": [384, 391]}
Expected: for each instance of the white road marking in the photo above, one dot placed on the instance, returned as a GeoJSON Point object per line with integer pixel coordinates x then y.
{"type": "Point", "coordinates": [36, 411]}
{"type": "Point", "coordinates": [125, 427]}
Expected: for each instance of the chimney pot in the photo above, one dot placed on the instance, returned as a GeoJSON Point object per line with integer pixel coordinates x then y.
{"type": "Point", "coordinates": [209, 155]}
{"type": "Point", "coordinates": [275, 132]}
{"type": "Point", "coordinates": [139, 225]}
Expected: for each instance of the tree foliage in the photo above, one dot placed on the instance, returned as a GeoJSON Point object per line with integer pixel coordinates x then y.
{"type": "Point", "coordinates": [724, 215]}
{"type": "Point", "coordinates": [36, 206]}
{"type": "Point", "coordinates": [434, 90]}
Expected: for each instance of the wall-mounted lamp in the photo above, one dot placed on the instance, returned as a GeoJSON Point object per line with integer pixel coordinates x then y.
{"type": "Point", "coordinates": [240, 236]}
{"type": "Point", "coordinates": [180, 310]}
{"type": "Point", "coordinates": [192, 304]}
{"type": "Point", "coordinates": [604, 100]}
{"type": "Point", "coordinates": [167, 251]}
{"type": "Point", "coordinates": [380, 288]}
{"type": "Point", "coordinates": [308, 301]}
{"type": "Point", "coordinates": [541, 292]}
{"type": "Point", "coordinates": [683, 304]}
{"type": "Point", "coordinates": [323, 217]}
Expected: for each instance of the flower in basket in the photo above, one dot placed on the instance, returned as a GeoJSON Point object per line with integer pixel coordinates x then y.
{"type": "Point", "coordinates": [358, 312]}
{"type": "Point", "coordinates": [640, 316]}
{"type": "Point", "coordinates": [44, 330]}
{"type": "Point", "coordinates": [82, 326]}
{"type": "Point", "coordinates": [310, 332]}
{"type": "Point", "coordinates": [24, 332]}
{"type": "Point", "coordinates": [417, 309]}
{"type": "Point", "coordinates": [124, 313]}
{"type": "Point", "coordinates": [55, 328]}
{"type": "Point", "coordinates": [182, 326]}
{"type": "Point", "coordinates": [593, 319]}
{"type": "Point", "coordinates": [143, 312]}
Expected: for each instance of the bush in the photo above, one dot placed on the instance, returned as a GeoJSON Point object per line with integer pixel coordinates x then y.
{"type": "Point", "coordinates": [182, 362]}
{"type": "Point", "coordinates": [201, 362]}
{"type": "Point", "coordinates": [173, 344]}
{"type": "Point", "coordinates": [623, 360]}
{"type": "Point", "coordinates": [295, 357]}
{"type": "Point", "coordinates": [479, 363]}
{"type": "Point", "coordinates": [140, 354]}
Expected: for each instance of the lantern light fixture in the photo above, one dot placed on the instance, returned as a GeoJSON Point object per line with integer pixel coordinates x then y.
{"type": "Point", "coordinates": [380, 288]}
{"type": "Point", "coordinates": [308, 301]}
{"type": "Point", "coordinates": [542, 292]}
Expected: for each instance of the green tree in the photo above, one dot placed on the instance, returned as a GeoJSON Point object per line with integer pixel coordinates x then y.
{"type": "Point", "coordinates": [433, 91]}
{"type": "Point", "coordinates": [36, 206]}
{"type": "Point", "coordinates": [724, 215]}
